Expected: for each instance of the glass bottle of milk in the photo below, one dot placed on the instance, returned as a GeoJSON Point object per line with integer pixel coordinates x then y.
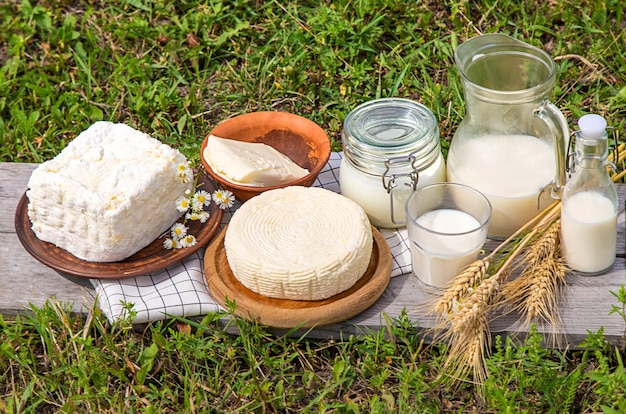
{"type": "Point", "coordinates": [589, 202]}
{"type": "Point", "coordinates": [390, 147]}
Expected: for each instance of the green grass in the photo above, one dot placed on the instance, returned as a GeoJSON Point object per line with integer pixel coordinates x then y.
{"type": "Point", "coordinates": [54, 361]}
{"type": "Point", "coordinates": [174, 70]}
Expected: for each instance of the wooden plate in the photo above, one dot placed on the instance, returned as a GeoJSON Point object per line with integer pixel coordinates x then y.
{"type": "Point", "coordinates": [152, 258]}
{"type": "Point", "coordinates": [280, 313]}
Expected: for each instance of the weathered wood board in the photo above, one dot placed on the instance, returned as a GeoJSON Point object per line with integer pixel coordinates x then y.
{"type": "Point", "coordinates": [585, 307]}
{"type": "Point", "coordinates": [23, 280]}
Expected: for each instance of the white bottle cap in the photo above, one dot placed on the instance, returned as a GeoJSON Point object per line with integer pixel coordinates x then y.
{"type": "Point", "coordinates": [592, 126]}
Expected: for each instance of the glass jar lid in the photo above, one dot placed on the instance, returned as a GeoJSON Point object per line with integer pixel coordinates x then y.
{"type": "Point", "coordinates": [385, 128]}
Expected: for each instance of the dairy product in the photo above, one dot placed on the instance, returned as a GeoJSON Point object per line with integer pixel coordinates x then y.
{"type": "Point", "coordinates": [108, 194]}
{"type": "Point", "coordinates": [299, 243]}
{"type": "Point", "coordinates": [588, 232]}
{"type": "Point", "coordinates": [250, 163]}
{"type": "Point", "coordinates": [447, 242]}
{"type": "Point", "coordinates": [511, 171]}
{"type": "Point", "coordinates": [368, 191]}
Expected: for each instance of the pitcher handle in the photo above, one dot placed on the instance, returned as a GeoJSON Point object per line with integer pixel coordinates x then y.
{"type": "Point", "coordinates": [556, 122]}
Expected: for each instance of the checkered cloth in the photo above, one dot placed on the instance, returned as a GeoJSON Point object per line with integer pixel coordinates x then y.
{"type": "Point", "coordinates": [181, 289]}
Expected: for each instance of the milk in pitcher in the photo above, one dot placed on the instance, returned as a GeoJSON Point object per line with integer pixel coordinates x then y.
{"type": "Point", "coordinates": [512, 171]}
{"type": "Point", "coordinates": [511, 143]}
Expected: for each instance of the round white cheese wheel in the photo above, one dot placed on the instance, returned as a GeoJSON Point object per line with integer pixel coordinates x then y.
{"type": "Point", "coordinates": [299, 243]}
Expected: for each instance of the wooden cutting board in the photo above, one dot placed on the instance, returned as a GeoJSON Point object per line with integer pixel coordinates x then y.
{"type": "Point", "coordinates": [280, 313]}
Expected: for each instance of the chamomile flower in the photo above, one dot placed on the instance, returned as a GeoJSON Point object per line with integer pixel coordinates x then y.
{"type": "Point", "coordinates": [217, 195]}
{"type": "Point", "coordinates": [223, 198]}
{"type": "Point", "coordinates": [201, 216]}
{"type": "Point", "coordinates": [188, 241]}
{"type": "Point", "coordinates": [171, 244]}
{"type": "Point", "coordinates": [192, 205]}
{"type": "Point", "coordinates": [204, 216]}
{"type": "Point", "coordinates": [200, 199]}
{"type": "Point", "coordinates": [183, 204]}
{"type": "Point", "coordinates": [178, 231]}
{"type": "Point", "coordinates": [184, 173]}
{"type": "Point", "coordinates": [193, 216]}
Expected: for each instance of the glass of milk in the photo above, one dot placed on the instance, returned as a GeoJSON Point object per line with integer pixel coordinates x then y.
{"type": "Point", "coordinates": [447, 227]}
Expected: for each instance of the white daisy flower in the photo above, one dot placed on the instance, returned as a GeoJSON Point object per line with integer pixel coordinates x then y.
{"type": "Point", "coordinates": [192, 216]}
{"type": "Point", "coordinates": [188, 241]}
{"type": "Point", "coordinates": [184, 173]}
{"type": "Point", "coordinates": [224, 199]}
{"type": "Point", "coordinates": [203, 216]}
{"type": "Point", "coordinates": [217, 196]}
{"type": "Point", "coordinates": [170, 244]}
{"type": "Point", "coordinates": [192, 204]}
{"type": "Point", "coordinates": [183, 204]}
{"type": "Point", "coordinates": [178, 231]}
{"type": "Point", "coordinates": [200, 199]}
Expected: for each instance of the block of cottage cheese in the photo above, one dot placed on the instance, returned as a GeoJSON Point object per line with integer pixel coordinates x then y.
{"type": "Point", "coordinates": [108, 194]}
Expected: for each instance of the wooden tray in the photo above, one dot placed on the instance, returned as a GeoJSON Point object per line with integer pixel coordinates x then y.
{"type": "Point", "coordinates": [152, 258]}
{"type": "Point", "coordinates": [280, 313]}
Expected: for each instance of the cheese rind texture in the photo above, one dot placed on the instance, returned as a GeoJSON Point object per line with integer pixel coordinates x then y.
{"type": "Point", "coordinates": [299, 243]}
{"type": "Point", "coordinates": [108, 194]}
{"type": "Point", "coordinates": [250, 163]}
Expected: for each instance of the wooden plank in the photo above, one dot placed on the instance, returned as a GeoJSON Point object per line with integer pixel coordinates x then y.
{"type": "Point", "coordinates": [23, 279]}
{"type": "Point", "coordinates": [585, 307]}
{"type": "Point", "coordinates": [13, 181]}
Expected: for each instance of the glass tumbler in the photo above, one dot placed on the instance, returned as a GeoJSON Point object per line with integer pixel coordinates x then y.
{"type": "Point", "coordinates": [447, 228]}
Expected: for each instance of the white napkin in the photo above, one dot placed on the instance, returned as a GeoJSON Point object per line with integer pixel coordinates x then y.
{"type": "Point", "coordinates": [181, 289]}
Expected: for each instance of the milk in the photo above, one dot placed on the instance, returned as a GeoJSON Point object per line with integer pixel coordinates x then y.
{"type": "Point", "coordinates": [511, 171]}
{"type": "Point", "coordinates": [367, 191]}
{"type": "Point", "coordinates": [588, 232]}
{"type": "Point", "coordinates": [448, 241]}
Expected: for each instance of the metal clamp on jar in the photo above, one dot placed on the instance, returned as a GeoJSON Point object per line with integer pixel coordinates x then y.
{"type": "Point", "coordinates": [390, 147]}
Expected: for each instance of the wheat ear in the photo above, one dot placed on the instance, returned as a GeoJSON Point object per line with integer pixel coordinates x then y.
{"type": "Point", "coordinates": [474, 307]}
{"type": "Point", "coordinates": [544, 246]}
{"type": "Point", "coordinates": [468, 355]}
{"type": "Point", "coordinates": [535, 293]}
{"type": "Point", "coordinates": [464, 308]}
{"type": "Point", "coordinates": [542, 300]}
{"type": "Point", "coordinates": [461, 285]}
{"type": "Point", "coordinates": [618, 157]}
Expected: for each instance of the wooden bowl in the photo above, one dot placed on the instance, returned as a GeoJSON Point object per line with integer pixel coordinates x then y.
{"type": "Point", "coordinates": [301, 139]}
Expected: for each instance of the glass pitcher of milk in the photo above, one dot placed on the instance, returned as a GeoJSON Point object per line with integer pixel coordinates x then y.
{"type": "Point", "coordinates": [511, 144]}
